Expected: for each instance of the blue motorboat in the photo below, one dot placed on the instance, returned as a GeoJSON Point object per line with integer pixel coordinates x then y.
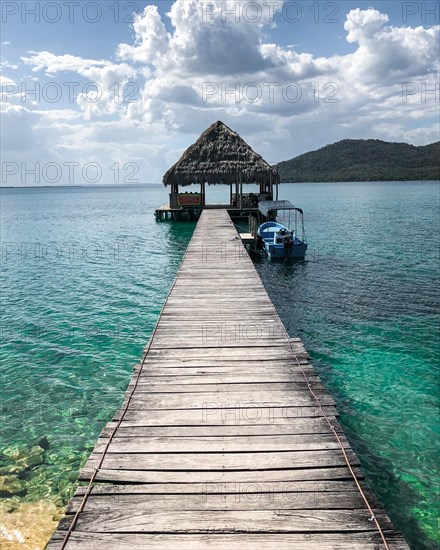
{"type": "Point", "coordinates": [275, 238]}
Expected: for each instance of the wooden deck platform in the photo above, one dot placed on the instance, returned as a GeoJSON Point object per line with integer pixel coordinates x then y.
{"type": "Point", "coordinates": [166, 212]}
{"type": "Point", "coordinates": [220, 443]}
{"type": "Point", "coordinates": [247, 238]}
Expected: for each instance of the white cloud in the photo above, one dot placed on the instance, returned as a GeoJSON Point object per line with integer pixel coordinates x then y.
{"type": "Point", "coordinates": [4, 64]}
{"type": "Point", "coordinates": [104, 81]}
{"type": "Point", "coordinates": [151, 38]}
{"type": "Point", "coordinates": [223, 53]}
{"type": "Point", "coordinates": [52, 63]}
{"type": "Point", "coordinates": [357, 95]}
{"type": "Point", "coordinates": [4, 81]}
{"type": "Point", "coordinates": [362, 25]}
{"type": "Point", "coordinates": [202, 41]}
{"type": "Point", "coordinates": [386, 52]}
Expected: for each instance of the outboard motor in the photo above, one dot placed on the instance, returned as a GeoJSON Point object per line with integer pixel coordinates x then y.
{"type": "Point", "coordinates": [288, 243]}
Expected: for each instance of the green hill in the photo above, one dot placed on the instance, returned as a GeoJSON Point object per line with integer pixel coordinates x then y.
{"type": "Point", "coordinates": [363, 160]}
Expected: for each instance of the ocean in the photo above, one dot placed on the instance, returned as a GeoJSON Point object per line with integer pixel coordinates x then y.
{"type": "Point", "coordinates": [85, 271]}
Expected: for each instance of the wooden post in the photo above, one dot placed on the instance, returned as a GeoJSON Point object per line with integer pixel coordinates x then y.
{"type": "Point", "coordinates": [270, 185]}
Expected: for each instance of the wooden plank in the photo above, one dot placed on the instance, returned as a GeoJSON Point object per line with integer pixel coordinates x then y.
{"type": "Point", "coordinates": [226, 372]}
{"type": "Point", "coordinates": [214, 414]}
{"type": "Point", "coordinates": [245, 476]}
{"type": "Point", "coordinates": [307, 442]}
{"type": "Point", "coordinates": [225, 400]}
{"type": "Point", "coordinates": [273, 460]}
{"type": "Point", "coordinates": [222, 381]}
{"type": "Point", "coordinates": [226, 353]}
{"type": "Point", "coordinates": [181, 344]}
{"type": "Point", "coordinates": [229, 374]}
{"type": "Point", "coordinates": [220, 489]}
{"type": "Point", "coordinates": [180, 385]}
{"type": "Point", "coordinates": [228, 366]}
{"type": "Point", "coordinates": [120, 520]}
{"type": "Point", "coordinates": [369, 540]}
{"type": "Point", "coordinates": [300, 426]}
{"type": "Point", "coordinates": [147, 503]}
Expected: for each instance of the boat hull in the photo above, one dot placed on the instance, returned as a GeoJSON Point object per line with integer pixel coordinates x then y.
{"type": "Point", "coordinates": [277, 252]}
{"type": "Point", "coordinates": [273, 235]}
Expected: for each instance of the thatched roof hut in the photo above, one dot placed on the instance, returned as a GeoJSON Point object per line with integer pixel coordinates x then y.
{"type": "Point", "coordinates": [220, 156]}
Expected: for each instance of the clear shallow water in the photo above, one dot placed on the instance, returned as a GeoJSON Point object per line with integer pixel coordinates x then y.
{"type": "Point", "coordinates": [366, 304]}
{"type": "Point", "coordinates": [84, 275]}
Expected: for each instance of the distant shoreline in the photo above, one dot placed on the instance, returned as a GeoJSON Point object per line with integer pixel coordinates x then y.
{"type": "Point", "coordinates": [102, 185]}
{"type": "Point", "coordinates": [88, 186]}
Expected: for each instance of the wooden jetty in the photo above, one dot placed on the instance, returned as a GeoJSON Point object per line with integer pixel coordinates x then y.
{"type": "Point", "coordinates": [167, 212]}
{"type": "Point", "coordinates": [227, 438]}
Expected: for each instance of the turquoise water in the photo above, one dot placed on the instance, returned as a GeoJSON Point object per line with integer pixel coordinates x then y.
{"type": "Point", "coordinates": [84, 275]}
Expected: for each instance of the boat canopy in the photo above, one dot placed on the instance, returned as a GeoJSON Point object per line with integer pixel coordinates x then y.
{"type": "Point", "coordinates": [265, 207]}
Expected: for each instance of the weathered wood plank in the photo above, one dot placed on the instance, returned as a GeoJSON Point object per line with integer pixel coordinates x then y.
{"type": "Point", "coordinates": [309, 442]}
{"type": "Point", "coordinates": [213, 414]}
{"type": "Point", "coordinates": [147, 503]}
{"type": "Point", "coordinates": [316, 425]}
{"type": "Point", "coordinates": [120, 520]}
{"type": "Point", "coordinates": [369, 540]}
{"type": "Point", "coordinates": [226, 353]}
{"type": "Point", "coordinates": [220, 489]}
{"type": "Point", "coordinates": [145, 385]}
{"type": "Point", "coordinates": [231, 367]}
{"type": "Point", "coordinates": [273, 460]}
{"type": "Point", "coordinates": [242, 477]}
{"type": "Point", "coordinates": [225, 400]}
{"type": "Point", "coordinates": [222, 381]}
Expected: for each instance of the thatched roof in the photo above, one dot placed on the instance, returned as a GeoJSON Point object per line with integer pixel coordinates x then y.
{"type": "Point", "coordinates": [220, 155]}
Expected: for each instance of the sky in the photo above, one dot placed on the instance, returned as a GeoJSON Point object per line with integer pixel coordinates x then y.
{"type": "Point", "coordinates": [108, 91]}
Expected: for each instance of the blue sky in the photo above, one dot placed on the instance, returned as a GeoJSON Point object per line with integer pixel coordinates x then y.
{"type": "Point", "coordinates": [92, 85]}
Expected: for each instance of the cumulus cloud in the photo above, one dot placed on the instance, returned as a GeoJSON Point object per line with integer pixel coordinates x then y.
{"type": "Point", "coordinates": [362, 25]}
{"type": "Point", "coordinates": [105, 79]}
{"type": "Point", "coordinates": [227, 55]}
{"type": "Point", "coordinates": [389, 52]}
{"type": "Point", "coordinates": [151, 38]}
{"type": "Point", "coordinates": [199, 63]}
{"type": "Point", "coordinates": [206, 39]}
